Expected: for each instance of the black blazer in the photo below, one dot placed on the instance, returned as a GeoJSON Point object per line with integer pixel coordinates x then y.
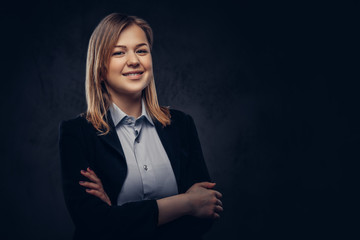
{"type": "Point", "coordinates": [81, 146]}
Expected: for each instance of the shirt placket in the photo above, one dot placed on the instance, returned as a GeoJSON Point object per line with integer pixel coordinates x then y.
{"type": "Point", "coordinates": [145, 168]}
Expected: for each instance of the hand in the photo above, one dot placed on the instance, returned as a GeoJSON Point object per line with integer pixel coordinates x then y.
{"type": "Point", "coordinates": [205, 203]}
{"type": "Point", "coordinates": [95, 187]}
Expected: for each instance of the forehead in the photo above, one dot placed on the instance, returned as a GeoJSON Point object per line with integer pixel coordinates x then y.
{"type": "Point", "coordinates": [132, 35]}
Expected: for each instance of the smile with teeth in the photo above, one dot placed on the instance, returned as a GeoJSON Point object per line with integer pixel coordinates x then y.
{"type": "Point", "coordinates": [133, 74]}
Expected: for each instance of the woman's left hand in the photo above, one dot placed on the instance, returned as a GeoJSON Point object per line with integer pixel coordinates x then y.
{"type": "Point", "coordinates": [94, 187]}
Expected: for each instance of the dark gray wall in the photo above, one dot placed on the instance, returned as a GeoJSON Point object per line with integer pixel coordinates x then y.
{"type": "Point", "coordinates": [273, 89]}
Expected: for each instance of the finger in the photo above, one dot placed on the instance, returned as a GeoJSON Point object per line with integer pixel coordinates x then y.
{"type": "Point", "coordinates": [96, 193]}
{"type": "Point", "coordinates": [89, 176]}
{"type": "Point", "coordinates": [217, 194]}
{"type": "Point", "coordinates": [218, 209]}
{"type": "Point", "coordinates": [93, 175]}
{"type": "Point", "coordinates": [100, 195]}
{"type": "Point", "coordinates": [96, 179]}
{"type": "Point", "coordinates": [92, 172]}
{"type": "Point", "coordinates": [90, 185]}
{"type": "Point", "coordinates": [206, 184]}
{"type": "Point", "coordinates": [216, 216]}
{"type": "Point", "coordinates": [218, 202]}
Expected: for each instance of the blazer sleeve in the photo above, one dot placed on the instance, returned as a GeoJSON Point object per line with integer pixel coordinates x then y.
{"type": "Point", "coordinates": [89, 213]}
{"type": "Point", "coordinates": [194, 171]}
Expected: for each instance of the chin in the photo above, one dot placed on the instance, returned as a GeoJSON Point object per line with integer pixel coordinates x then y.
{"type": "Point", "coordinates": [134, 91]}
{"type": "Point", "coordinates": [138, 87]}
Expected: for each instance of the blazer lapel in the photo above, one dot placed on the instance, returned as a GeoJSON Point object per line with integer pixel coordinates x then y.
{"type": "Point", "coordinates": [112, 138]}
{"type": "Point", "coordinates": [168, 141]}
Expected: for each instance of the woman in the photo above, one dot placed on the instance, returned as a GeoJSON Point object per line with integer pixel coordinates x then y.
{"type": "Point", "coordinates": [132, 169]}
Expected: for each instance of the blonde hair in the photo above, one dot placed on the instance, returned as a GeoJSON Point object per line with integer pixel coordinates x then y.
{"type": "Point", "coordinates": [101, 44]}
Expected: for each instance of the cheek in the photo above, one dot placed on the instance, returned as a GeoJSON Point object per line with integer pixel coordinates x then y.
{"type": "Point", "coordinates": [115, 66]}
{"type": "Point", "coordinates": [148, 63]}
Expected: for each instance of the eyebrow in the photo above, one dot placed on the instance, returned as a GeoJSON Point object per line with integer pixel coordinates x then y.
{"type": "Point", "coordinates": [138, 45]}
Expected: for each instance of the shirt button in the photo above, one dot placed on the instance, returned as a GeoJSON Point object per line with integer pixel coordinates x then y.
{"type": "Point", "coordinates": [136, 132]}
{"type": "Point", "coordinates": [145, 167]}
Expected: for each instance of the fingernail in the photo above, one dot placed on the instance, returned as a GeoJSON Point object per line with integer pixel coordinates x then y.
{"type": "Point", "coordinates": [81, 181]}
{"type": "Point", "coordinates": [82, 171]}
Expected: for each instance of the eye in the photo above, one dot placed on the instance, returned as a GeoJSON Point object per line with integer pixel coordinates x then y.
{"type": "Point", "coordinates": [118, 53]}
{"type": "Point", "coordinates": [142, 51]}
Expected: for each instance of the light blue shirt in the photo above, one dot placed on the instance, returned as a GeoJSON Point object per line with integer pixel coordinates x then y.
{"type": "Point", "coordinates": [149, 175]}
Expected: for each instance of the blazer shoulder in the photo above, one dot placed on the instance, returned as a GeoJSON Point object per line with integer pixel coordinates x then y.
{"type": "Point", "coordinates": [179, 116]}
{"type": "Point", "coordinates": [73, 124]}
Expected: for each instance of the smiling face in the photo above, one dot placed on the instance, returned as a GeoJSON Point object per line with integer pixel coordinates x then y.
{"type": "Point", "coordinates": [130, 65]}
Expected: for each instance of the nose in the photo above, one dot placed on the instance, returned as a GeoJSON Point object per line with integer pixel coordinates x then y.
{"type": "Point", "coordinates": [133, 60]}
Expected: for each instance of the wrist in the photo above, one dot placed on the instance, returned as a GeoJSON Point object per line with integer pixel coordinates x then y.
{"type": "Point", "coordinates": [188, 206]}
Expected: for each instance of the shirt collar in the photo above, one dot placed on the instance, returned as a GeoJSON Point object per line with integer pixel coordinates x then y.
{"type": "Point", "coordinates": [118, 115]}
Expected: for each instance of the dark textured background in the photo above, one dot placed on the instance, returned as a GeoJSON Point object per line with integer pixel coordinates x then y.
{"type": "Point", "coordinates": [273, 89]}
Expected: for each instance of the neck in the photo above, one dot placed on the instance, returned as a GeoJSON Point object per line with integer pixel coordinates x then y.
{"type": "Point", "coordinates": [131, 105]}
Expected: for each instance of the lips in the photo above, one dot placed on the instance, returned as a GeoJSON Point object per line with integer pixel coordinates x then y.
{"type": "Point", "coordinates": [133, 73]}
